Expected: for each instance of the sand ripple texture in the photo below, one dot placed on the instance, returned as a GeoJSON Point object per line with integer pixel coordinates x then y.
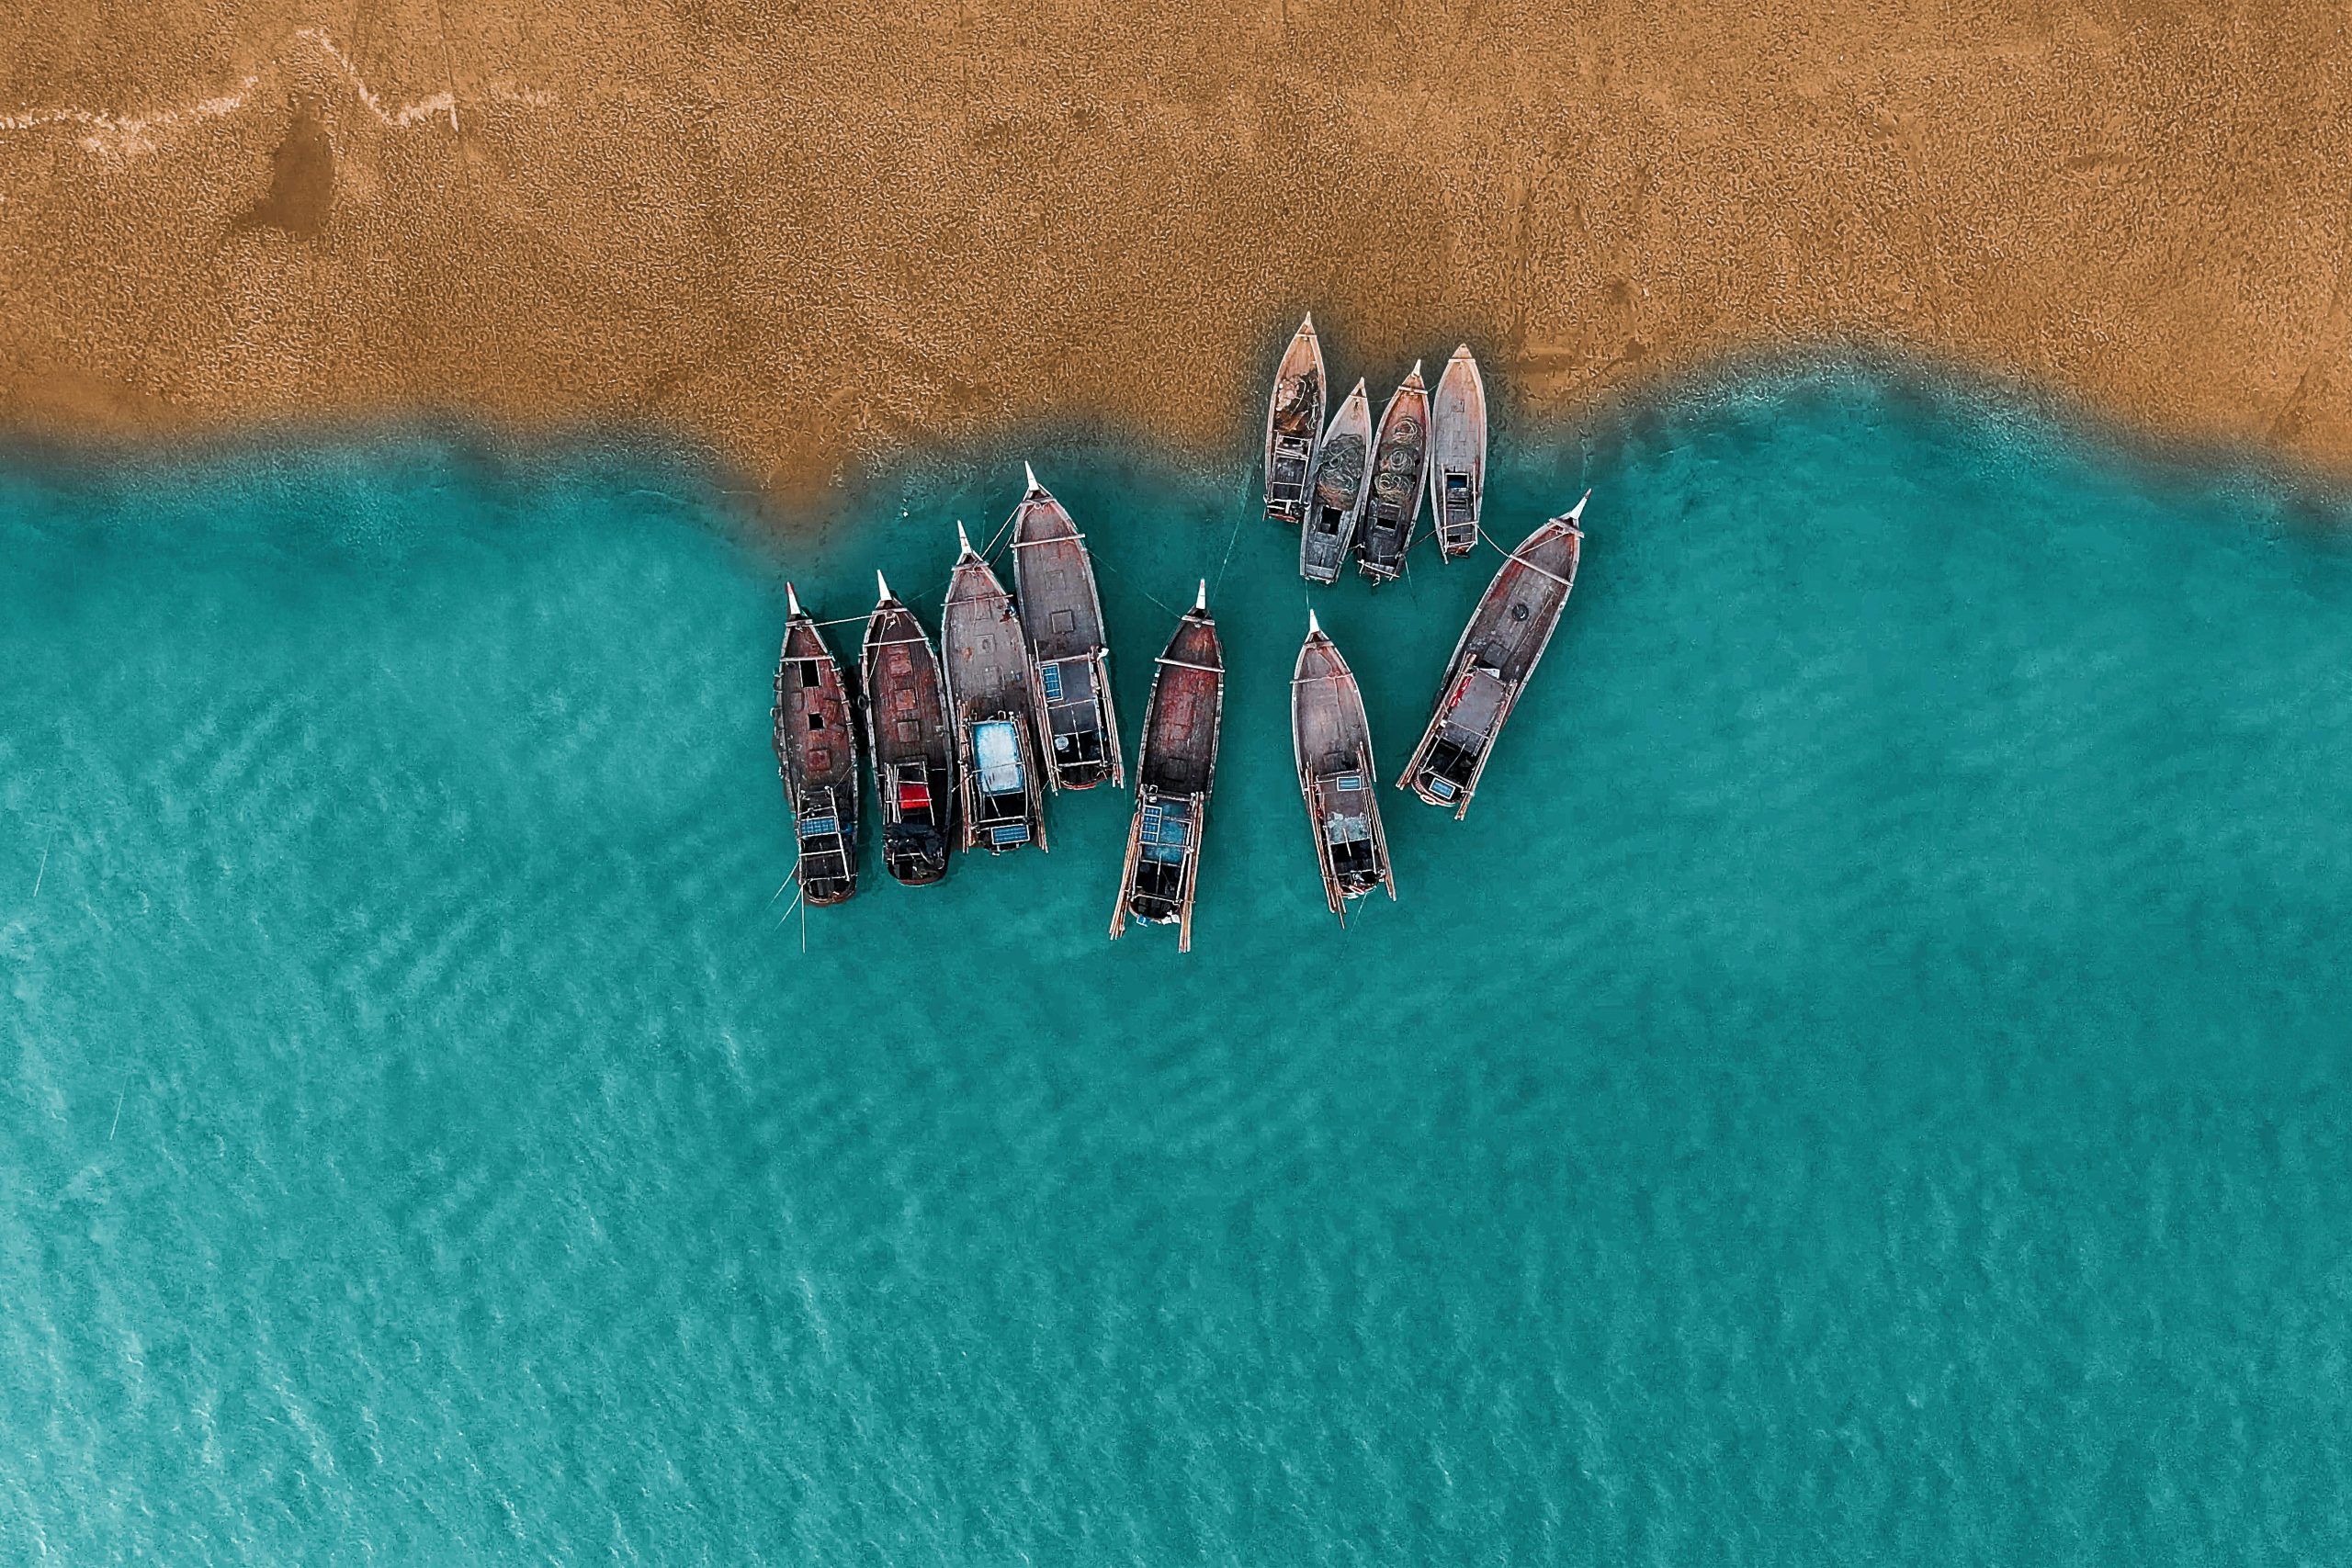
{"type": "Point", "coordinates": [815, 235]}
{"type": "Point", "coordinates": [1865, 1085]}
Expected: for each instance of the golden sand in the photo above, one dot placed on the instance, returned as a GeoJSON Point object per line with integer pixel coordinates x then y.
{"type": "Point", "coordinates": [809, 235]}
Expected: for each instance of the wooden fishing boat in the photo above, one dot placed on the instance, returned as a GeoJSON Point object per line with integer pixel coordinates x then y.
{"type": "Point", "coordinates": [1063, 615]}
{"type": "Point", "coordinates": [991, 704]}
{"type": "Point", "coordinates": [1332, 740]}
{"type": "Point", "coordinates": [1496, 653]}
{"type": "Point", "coordinates": [910, 740]}
{"type": "Point", "coordinates": [1458, 455]}
{"type": "Point", "coordinates": [1335, 500]}
{"type": "Point", "coordinates": [1174, 768]}
{"type": "Point", "coordinates": [1295, 424]}
{"type": "Point", "coordinates": [1399, 467]}
{"type": "Point", "coordinates": [815, 749]}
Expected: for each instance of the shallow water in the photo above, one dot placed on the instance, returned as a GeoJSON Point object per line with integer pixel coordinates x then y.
{"type": "Point", "coordinates": [1866, 1083]}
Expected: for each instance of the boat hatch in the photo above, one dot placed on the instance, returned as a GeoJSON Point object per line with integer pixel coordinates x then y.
{"type": "Point", "coordinates": [1289, 478]}
{"type": "Point", "coordinates": [1477, 701]}
{"type": "Point", "coordinates": [999, 751]}
{"type": "Point", "coordinates": [1166, 830]}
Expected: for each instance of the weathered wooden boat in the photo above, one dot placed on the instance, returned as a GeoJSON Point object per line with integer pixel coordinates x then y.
{"type": "Point", "coordinates": [992, 704]}
{"type": "Point", "coordinates": [1173, 769]}
{"type": "Point", "coordinates": [1458, 455]}
{"type": "Point", "coordinates": [1491, 663]}
{"type": "Point", "coordinates": [1335, 499]}
{"type": "Point", "coordinates": [910, 740]}
{"type": "Point", "coordinates": [815, 749]}
{"type": "Point", "coordinates": [1332, 740]}
{"type": "Point", "coordinates": [1063, 615]}
{"type": "Point", "coordinates": [1295, 424]}
{"type": "Point", "coordinates": [1399, 468]}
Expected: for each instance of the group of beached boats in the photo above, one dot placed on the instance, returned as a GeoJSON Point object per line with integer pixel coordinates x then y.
{"type": "Point", "coordinates": [966, 741]}
{"type": "Point", "coordinates": [1355, 488]}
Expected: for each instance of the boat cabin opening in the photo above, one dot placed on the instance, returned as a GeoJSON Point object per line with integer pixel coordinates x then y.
{"type": "Point", "coordinates": [1164, 846]}
{"type": "Point", "coordinates": [1472, 716]}
{"type": "Point", "coordinates": [1286, 479]}
{"type": "Point", "coordinates": [1347, 828]}
{"type": "Point", "coordinates": [825, 869]}
{"type": "Point", "coordinates": [1074, 712]}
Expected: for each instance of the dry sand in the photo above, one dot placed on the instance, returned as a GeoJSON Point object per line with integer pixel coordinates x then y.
{"type": "Point", "coordinates": [809, 236]}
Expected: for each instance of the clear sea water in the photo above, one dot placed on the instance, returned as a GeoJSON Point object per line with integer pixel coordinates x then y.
{"type": "Point", "coordinates": [1866, 1085]}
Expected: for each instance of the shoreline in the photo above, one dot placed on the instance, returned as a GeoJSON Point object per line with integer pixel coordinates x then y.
{"type": "Point", "coordinates": [808, 246]}
{"type": "Point", "coordinates": [949, 462]}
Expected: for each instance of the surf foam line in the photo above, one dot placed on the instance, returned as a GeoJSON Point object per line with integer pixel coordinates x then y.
{"type": "Point", "coordinates": [105, 130]}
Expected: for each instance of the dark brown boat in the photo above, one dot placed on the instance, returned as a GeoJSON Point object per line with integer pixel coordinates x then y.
{"type": "Point", "coordinates": [1063, 615]}
{"type": "Point", "coordinates": [815, 749]}
{"type": "Point", "coordinates": [1295, 424]}
{"type": "Point", "coordinates": [991, 704]}
{"type": "Point", "coordinates": [1173, 769]}
{"type": "Point", "coordinates": [1335, 500]}
{"type": "Point", "coordinates": [910, 740]}
{"type": "Point", "coordinates": [1496, 654]}
{"type": "Point", "coordinates": [1458, 455]}
{"type": "Point", "coordinates": [1399, 472]}
{"type": "Point", "coordinates": [1332, 740]}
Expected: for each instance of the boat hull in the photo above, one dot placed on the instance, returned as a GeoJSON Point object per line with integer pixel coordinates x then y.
{"type": "Point", "coordinates": [1294, 417]}
{"type": "Point", "coordinates": [1342, 478]}
{"type": "Point", "coordinates": [1399, 473]}
{"type": "Point", "coordinates": [816, 749]}
{"type": "Point", "coordinates": [1458, 455]}
{"type": "Point", "coordinates": [911, 745]}
{"type": "Point", "coordinates": [1061, 612]}
{"type": "Point", "coordinates": [1175, 766]}
{"type": "Point", "coordinates": [1331, 742]}
{"type": "Point", "coordinates": [989, 683]}
{"type": "Point", "coordinates": [1493, 659]}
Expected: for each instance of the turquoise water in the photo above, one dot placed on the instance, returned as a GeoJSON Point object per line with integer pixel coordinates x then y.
{"type": "Point", "coordinates": [1865, 1085]}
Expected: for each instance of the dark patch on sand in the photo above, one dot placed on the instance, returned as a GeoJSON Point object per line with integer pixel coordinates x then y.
{"type": "Point", "coordinates": [301, 181]}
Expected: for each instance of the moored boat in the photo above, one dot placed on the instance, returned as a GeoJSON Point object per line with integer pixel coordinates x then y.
{"type": "Point", "coordinates": [1332, 738]}
{"type": "Point", "coordinates": [1174, 766]}
{"type": "Point", "coordinates": [993, 710]}
{"type": "Point", "coordinates": [910, 740]}
{"type": "Point", "coordinates": [1492, 661]}
{"type": "Point", "coordinates": [1335, 498]}
{"type": "Point", "coordinates": [1399, 466]}
{"type": "Point", "coordinates": [1295, 424]}
{"type": "Point", "coordinates": [1458, 454]}
{"type": "Point", "coordinates": [1062, 614]}
{"type": "Point", "coordinates": [816, 750]}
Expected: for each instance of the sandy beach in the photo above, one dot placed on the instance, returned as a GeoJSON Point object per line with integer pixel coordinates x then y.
{"type": "Point", "coordinates": [809, 236]}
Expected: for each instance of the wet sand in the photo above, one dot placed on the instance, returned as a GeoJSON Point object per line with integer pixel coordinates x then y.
{"type": "Point", "coordinates": [810, 238]}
